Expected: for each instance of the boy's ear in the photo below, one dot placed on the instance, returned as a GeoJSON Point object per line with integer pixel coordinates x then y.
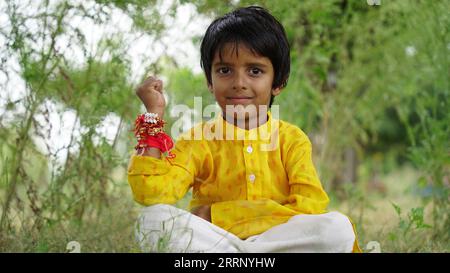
{"type": "Point", "coordinates": [276, 91]}
{"type": "Point", "coordinates": [210, 88]}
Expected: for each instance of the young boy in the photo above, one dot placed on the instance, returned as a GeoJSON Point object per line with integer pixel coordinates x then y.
{"type": "Point", "coordinates": [251, 193]}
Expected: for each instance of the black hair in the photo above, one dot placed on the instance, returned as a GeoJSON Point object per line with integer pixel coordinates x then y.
{"type": "Point", "coordinates": [259, 31]}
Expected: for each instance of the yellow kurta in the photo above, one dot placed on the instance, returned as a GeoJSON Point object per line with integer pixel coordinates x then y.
{"type": "Point", "coordinates": [253, 179]}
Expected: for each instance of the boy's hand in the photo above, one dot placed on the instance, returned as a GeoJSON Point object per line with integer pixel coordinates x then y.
{"type": "Point", "coordinates": [203, 212]}
{"type": "Point", "coordinates": [151, 94]}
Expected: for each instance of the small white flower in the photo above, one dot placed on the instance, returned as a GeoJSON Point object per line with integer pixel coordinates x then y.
{"type": "Point", "coordinates": [373, 2]}
{"type": "Point", "coordinates": [410, 50]}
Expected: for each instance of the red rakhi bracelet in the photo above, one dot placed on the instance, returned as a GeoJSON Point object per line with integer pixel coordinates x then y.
{"type": "Point", "coordinates": [149, 132]}
{"type": "Point", "coordinates": [148, 123]}
{"type": "Point", "coordinates": [162, 141]}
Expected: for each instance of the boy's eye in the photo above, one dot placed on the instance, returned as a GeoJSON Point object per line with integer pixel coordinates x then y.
{"type": "Point", "coordinates": [255, 71]}
{"type": "Point", "coordinates": [223, 70]}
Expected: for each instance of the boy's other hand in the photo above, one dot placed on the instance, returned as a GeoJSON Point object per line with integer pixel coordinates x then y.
{"type": "Point", "coordinates": [203, 212]}
{"type": "Point", "coordinates": [151, 94]}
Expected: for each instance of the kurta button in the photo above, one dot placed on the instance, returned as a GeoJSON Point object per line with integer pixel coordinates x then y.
{"type": "Point", "coordinates": [249, 149]}
{"type": "Point", "coordinates": [252, 177]}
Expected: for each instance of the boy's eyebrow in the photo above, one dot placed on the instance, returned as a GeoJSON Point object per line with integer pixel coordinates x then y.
{"type": "Point", "coordinates": [246, 64]}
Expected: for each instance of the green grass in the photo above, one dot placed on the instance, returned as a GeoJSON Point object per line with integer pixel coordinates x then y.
{"type": "Point", "coordinates": [377, 219]}
{"type": "Point", "coordinates": [112, 231]}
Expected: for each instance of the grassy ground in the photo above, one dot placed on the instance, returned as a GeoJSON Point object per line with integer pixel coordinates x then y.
{"type": "Point", "coordinates": [373, 213]}
{"type": "Point", "coordinates": [110, 232]}
{"type": "Point", "coordinates": [395, 231]}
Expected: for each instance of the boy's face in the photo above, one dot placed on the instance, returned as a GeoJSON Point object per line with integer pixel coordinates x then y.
{"type": "Point", "coordinates": [242, 79]}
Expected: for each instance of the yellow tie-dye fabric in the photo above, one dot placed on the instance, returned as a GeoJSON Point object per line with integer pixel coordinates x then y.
{"type": "Point", "coordinates": [253, 179]}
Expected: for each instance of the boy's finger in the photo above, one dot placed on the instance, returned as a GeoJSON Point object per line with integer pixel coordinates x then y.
{"type": "Point", "coordinates": [151, 78]}
{"type": "Point", "coordinates": [158, 86]}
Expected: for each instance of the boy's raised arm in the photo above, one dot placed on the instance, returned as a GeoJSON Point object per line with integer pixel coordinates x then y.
{"type": "Point", "coordinates": [152, 179]}
{"type": "Point", "coordinates": [150, 92]}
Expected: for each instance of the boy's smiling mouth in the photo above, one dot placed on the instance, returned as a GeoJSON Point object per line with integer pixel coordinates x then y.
{"type": "Point", "coordinates": [239, 99]}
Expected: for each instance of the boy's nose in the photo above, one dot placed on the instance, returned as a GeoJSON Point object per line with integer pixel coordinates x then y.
{"type": "Point", "coordinates": [239, 81]}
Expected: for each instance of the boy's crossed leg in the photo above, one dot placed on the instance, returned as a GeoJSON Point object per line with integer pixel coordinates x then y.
{"type": "Point", "coordinates": [164, 228]}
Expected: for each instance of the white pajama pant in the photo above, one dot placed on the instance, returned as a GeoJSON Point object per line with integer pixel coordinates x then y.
{"type": "Point", "coordinates": [165, 228]}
